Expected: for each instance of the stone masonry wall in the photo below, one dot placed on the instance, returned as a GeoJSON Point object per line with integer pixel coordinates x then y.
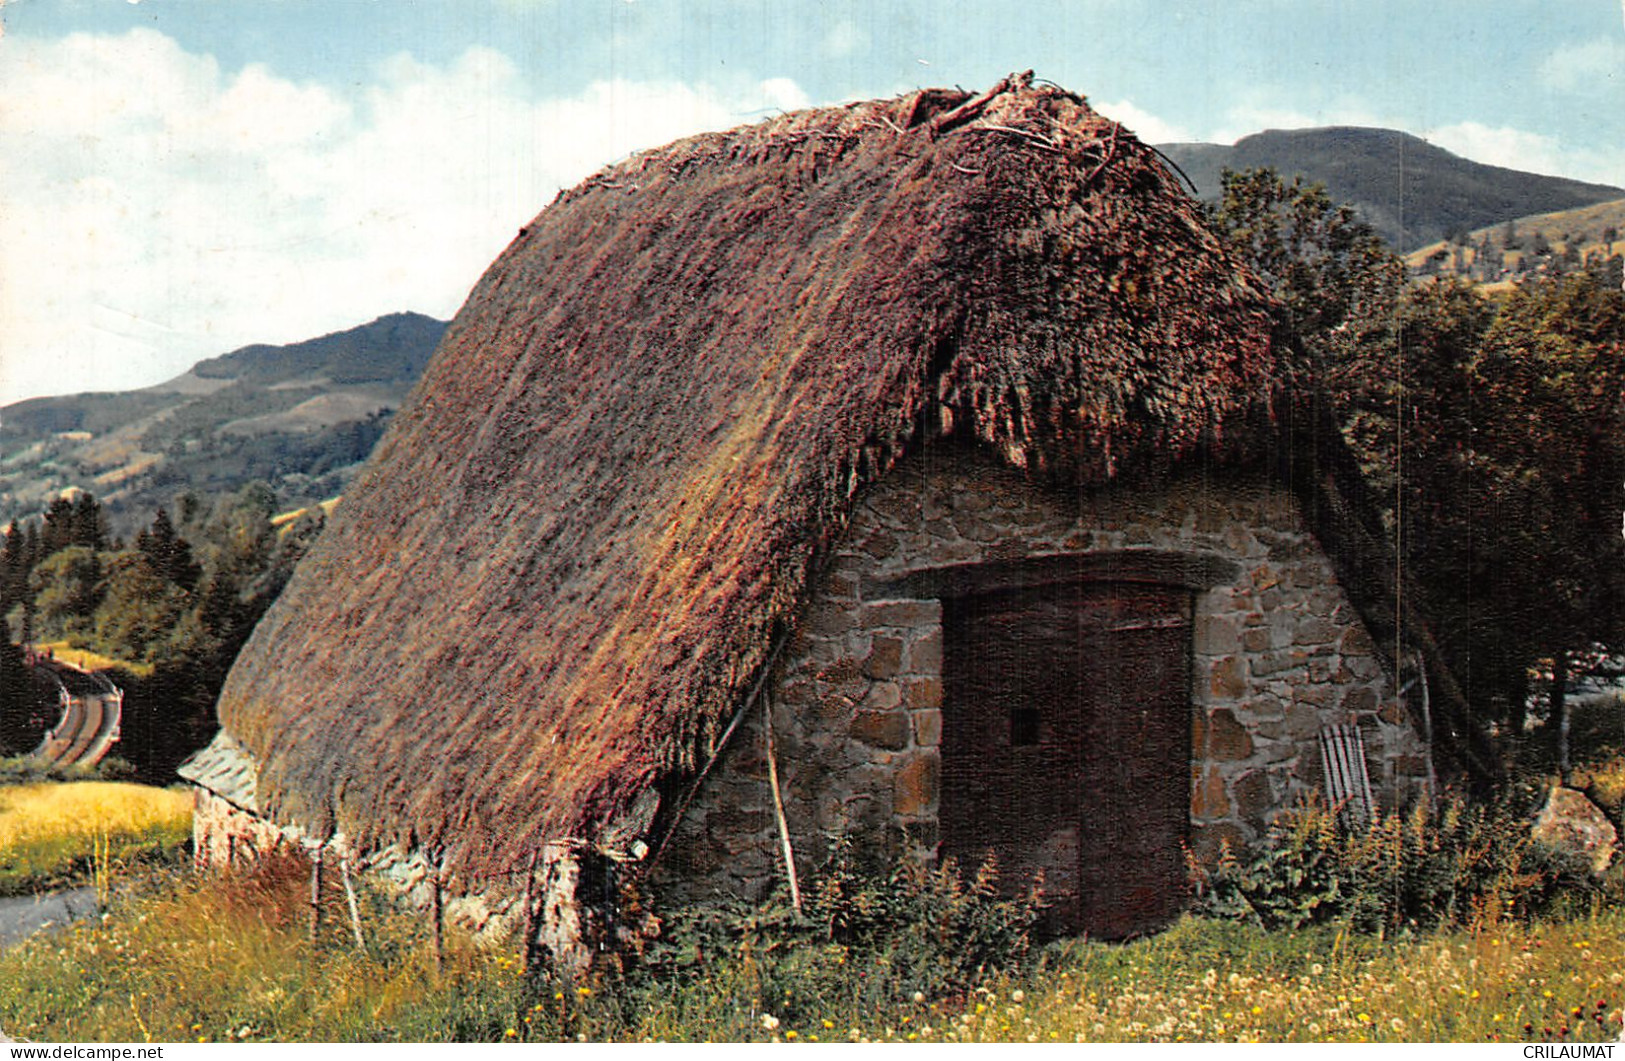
{"type": "Point", "coordinates": [226, 837]}
{"type": "Point", "coordinates": [857, 706]}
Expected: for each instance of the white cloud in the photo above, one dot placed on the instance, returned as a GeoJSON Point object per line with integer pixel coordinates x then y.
{"type": "Point", "coordinates": [1594, 67]}
{"type": "Point", "coordinates": [1143, 124]}
{"type": "Point", "coordinates": [158, 210]}
{"type": "Point", "coordinates": [1534, 152]}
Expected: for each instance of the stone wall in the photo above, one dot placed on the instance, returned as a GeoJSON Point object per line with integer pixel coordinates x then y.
{"type": "Point", "coordinates": [857, 706]}
{"type": "Point", "coordinates": [226, 837]}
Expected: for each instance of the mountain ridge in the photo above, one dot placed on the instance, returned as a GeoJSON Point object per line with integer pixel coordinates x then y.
{"type": "Point", "coordinates": [300, 416]}
{"type": "Point", "coordinates": [1411, 191]}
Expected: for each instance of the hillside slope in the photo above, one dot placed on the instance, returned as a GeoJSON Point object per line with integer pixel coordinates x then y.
{"type": "Point", "coordinates": [1410, 191]}
{"type": "Point", "coordinates": [301, 417]}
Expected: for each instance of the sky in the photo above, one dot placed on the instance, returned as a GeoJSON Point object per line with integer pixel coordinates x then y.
{"type": "Point", "coordinates": [179, 178]}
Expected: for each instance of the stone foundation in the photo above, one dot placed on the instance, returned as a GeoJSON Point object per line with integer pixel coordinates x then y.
{"type": "Point", "coordinates": [856, 708]}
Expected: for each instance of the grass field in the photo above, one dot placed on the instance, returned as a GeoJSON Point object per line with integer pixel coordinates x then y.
{"type": "Point", "coordinates": [229, 962]}
{"type": "Point", "coordinates": [85, 659]}
{"type": "Point", "coordinates": [49, 833]}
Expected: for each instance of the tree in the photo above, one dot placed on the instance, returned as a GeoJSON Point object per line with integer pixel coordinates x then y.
{"type": "Point", "coordinates": [140, 610]}
{"type": "Point", "coordinates": [1336, 280]}
{"type": "Point", "coordinates": [67, 590]}
{"type": "Point", "coordinates": [21, 714]}
{"type": "Point", "coordinates": [171, 555]}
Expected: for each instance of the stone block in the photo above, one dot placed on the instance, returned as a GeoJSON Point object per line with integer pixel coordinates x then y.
{"type": "Point", "coordinates": [923, 692]}
{"type": "Point", "coordinates": [829, 620]}
{"type": "Point", "coordinates": [928, 728]}
{"type": "Point", "coordinates": [1268, 663]}
{"type": "Point", "coordinates": [1318, 696]}
{"type": "Point", "coordinates": [1220, 738]}
{"type": "Point", "coordinates": [882, 696]}
{"type": "Point", "coordinates": [1256, 639]}
{"type": "Point", "coordinates": [1356, 642]}
{"type": "Point", "coordinates": [1315, 631]}
{"type": "Point", "coordinates": [914, 793]}
{"type": "Point", "coordinates": [1215, 635]}
{"type": "Point", "coordinates": [881, 729]}
{"type": "Point", "coordinates": [1392, 712]}
{"type": "Point", "coordinates": [905, 613]}
{"type": "Point", "coordinates": [1208, 798]}
{"type": "Point", "coordinates": [975, 529]}
{"type": "Point", "coordinates": [1304, 720]}
{"type": "Point", "coordinates": [1228, 679]}
{"type": "Point", "coordinates": [1363, 668]}
{"type": "Point", "coordinates": [1359, 700]}
{"type": "Point", "coordinates": [1264, 707]}
{"type": "Point", "coordinates": [885, 658]}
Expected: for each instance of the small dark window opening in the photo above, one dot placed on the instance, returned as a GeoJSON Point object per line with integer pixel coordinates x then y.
{"type": "Point", "coordinates": [1023, 727]}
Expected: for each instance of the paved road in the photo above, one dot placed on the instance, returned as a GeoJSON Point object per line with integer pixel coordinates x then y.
{"type": "Point", "coordinates": [25, 915]}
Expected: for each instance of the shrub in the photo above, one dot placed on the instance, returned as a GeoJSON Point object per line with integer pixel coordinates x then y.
{"type": "Point", "coordinates": [1459, 865]}
{"type": "Point", "coordinates": [864, 939]}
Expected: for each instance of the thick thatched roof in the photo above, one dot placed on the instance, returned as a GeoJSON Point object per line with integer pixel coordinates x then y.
{"type": "Point", "coordinates": [569, 553]}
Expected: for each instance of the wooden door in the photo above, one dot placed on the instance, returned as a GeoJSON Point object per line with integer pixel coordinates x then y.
{"type": "Point", "coordinates": [1066, 747]}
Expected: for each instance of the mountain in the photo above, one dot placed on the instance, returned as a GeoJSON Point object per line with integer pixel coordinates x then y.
{"type": "Point", "coordinates": [300, 417]}
{"type": "Point", "coordinates": [1410, 191]}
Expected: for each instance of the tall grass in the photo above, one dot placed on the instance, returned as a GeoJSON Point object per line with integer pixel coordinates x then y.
{"type": "Point", "coordinates": [86, 659]}
{"type": "Point", "coordinates": [229, 959]}
{"type": "Point", "coordinates": [55, 834]}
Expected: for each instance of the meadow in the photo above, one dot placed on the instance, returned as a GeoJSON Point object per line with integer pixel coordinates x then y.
{"type": "Point", "coordinates": [1444, 927]}
{"type": "Point", "coordinates": [228, 961]}
{"type": "Point", "coordinates": [54, 833]}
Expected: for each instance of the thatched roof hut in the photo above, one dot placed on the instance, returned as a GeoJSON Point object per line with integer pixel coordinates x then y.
{"type": "Point", "coordinates": [565, 564]}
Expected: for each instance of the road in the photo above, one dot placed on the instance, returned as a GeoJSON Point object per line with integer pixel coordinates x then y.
{"type": "Point", "coordinates": [92, 708]}
{"type": "Point", "coordinates": [25, 915]}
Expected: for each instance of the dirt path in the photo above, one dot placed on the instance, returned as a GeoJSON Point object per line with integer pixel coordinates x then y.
{"type": "Point", "coordinates": [25, 915]}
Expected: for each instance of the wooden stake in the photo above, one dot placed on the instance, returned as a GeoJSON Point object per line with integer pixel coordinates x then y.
{"type": "Point", "coordinates": [315, 895]}
{"type": "Point", "coordinates": [355, 910]}
{"type": "Point", "coordinates": [778, 806]}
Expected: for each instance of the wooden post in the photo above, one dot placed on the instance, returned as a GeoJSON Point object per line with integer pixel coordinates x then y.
{"type": "Point", "coordinates": [315, 896]}
{"type": "Point", "coordinates": [355, 910]}
{"type": "Point", "coordinates": [438, 924]}
{"type": "Point", "coordinates": [778, 806]}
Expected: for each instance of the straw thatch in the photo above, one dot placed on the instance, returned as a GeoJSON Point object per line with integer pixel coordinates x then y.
{"type": "Point", "coordinates": [570, 552]}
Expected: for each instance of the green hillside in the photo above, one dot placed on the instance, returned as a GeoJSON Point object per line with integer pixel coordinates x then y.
{"type": "Point", "coordinates": [1588, 237]}
{"type": "Point", "coordinates": [300, 417]}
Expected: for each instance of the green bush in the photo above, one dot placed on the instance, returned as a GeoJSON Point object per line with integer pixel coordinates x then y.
{"type": "Point", "coordinates": [864, 938]}
{"type": "Point", "coordinates": [1459, 865]}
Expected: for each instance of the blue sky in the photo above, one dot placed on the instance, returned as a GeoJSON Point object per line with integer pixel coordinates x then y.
{"type": "Point", "coordinates": [186, 176]}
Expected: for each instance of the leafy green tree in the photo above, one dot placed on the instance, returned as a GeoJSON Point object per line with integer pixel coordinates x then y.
{"type": "Point", "coordinates": [1337, 281]}
{"type": "Point", "coordinates": [140, 609]}
{"type": "Point", "coordinates": [67, 590]}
